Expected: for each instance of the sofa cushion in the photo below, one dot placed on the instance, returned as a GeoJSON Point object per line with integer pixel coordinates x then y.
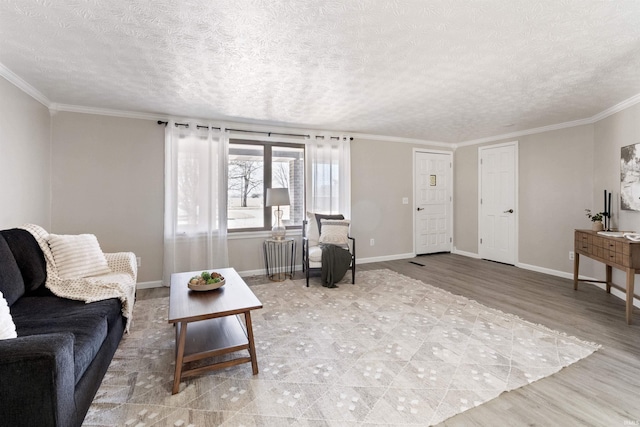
{"type": "Point", "coordinates": [89, 323]}
{"type": "Point", "coordinates": [7, 327]}
{"type": "Point", "coordinates": [11, 282]}
{"type": "Point", "coordinates": [77, 256]}
{"type": "Point", "coordinates": [28, 256]}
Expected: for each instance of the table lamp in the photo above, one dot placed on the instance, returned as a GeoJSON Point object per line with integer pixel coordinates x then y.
{"type": "Point", "coordinates": [278, 197]}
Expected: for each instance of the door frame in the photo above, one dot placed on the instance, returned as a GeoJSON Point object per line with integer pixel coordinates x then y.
{"type": "Point", "coordinates": [516, 190]}
{"type": "Point", "coordinates": [413, 193]}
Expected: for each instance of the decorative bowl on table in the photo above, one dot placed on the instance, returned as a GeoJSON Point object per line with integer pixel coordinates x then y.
{"type": "Point", "coordinates": [206, 281]}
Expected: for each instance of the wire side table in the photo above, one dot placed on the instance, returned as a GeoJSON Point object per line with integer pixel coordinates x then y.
{"type": "Point", "coordinates": [280, 259]}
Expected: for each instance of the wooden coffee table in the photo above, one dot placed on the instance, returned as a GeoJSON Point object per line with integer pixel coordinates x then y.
{"type": "Point", "coordinates": [213, 323]}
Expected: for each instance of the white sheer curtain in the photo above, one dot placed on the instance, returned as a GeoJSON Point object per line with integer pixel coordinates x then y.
{"type": "Point", "coordinates": [195, 217]}
{"type": "Point", "coordinates": [329, 175]}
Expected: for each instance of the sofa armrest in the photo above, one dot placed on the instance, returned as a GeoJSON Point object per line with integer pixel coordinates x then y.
{"type": "Point", "coordinates": [123, 262]}
{"type": "Point", "coordinates": [37, 380]}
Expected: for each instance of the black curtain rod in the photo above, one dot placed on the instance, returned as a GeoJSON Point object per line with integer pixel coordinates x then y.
{"type": "Point", "coordinates": [160, 122]}
{"type": "Point", "coordinates": [269, 133]}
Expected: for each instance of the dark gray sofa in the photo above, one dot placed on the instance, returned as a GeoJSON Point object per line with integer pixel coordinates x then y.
{"type": "Point", "coordinates": [51, 372]}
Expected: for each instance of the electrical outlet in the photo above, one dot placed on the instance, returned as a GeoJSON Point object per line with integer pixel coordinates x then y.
{"type": "Point", "coordinates": [571, 255]}
{"type": "Point", "coordinates": [139, 260]}
{"type": "Point", "coordinates": [372, 242]}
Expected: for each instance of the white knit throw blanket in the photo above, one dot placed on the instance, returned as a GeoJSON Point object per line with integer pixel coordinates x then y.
{"type": "Point", "coordinates": [120, 283]}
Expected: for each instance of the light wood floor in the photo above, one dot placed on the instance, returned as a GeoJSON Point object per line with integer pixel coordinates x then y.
{"type": "Point", "coordinates": [601, 390]}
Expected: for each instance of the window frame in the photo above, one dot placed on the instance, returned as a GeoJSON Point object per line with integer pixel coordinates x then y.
{"type": "Point", "coordinates": [267, 181]}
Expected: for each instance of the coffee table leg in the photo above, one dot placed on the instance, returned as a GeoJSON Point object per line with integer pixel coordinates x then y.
{"type": "Point", "coordinates": [252, 346]}
{"type": "Point", "coordinates": [180, 343]}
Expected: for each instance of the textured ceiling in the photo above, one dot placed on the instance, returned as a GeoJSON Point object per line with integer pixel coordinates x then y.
{"type": "Point", "coordinates": [447, 70]}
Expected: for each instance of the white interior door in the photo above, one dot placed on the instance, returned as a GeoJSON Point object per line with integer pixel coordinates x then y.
{"type": "Point", "coordinates": [433, 201]}
{"type": "Point", "coordinates": [498, 202]}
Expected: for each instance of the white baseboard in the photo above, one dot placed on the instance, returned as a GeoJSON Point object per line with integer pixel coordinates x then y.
{"type": "Point", "coordinates": [149, 285]}
{"type": "Point", "coordinates": [548, 271]}
{"type": "Point", "coordinates": [464, 253]}
{"type": "Point", "coordinates": [262, 271]}
{"type": "Point", "coordinates": [384, 258]}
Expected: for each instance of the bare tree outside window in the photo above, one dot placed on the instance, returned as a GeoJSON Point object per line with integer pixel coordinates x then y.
{"type": "Point", "coordinates": [281, 174]}
{"type": "Point", "coordinates": [245, 176]}
{"type": "Point", "coordinates": [246, 186]}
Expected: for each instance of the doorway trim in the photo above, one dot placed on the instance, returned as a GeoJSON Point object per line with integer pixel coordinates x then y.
{"type": "Point", "coordinates": [516, 174]}
{"type": "Point", "coordinates": [413, 193]}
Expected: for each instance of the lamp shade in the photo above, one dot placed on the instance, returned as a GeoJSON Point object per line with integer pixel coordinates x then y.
{"type": "Point", "coordinates": [277, 197]}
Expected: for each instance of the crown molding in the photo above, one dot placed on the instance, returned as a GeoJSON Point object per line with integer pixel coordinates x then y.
{"type": "Point", "coordinates": [531, 131]}
{"type": "Point", "coordinates": [24, 86]}
{"type": "Point", "coordinates": [588, 121]}
{"type": "Point", "coordinates": [106, 112]}
{"type": "Point", "coordinates": [616, 108]}
{"type": "Point", "coordinates": [402, 140]}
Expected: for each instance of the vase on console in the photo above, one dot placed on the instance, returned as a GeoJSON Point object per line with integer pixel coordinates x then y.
{"type": "Point", "coordinates": [596, 219]}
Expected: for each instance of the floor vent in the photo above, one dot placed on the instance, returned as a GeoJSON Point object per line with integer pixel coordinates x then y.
{"type": "Point", "coordinates": [416, 263]}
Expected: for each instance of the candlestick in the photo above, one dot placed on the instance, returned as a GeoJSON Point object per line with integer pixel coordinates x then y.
{"type": "Point", "coordinates": [609, 211]}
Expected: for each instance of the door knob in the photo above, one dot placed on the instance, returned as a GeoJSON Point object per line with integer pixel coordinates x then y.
{"type": "Point", "coordinates": [420, 209]}
{"type": "Point", "coordinates": [509, 211]}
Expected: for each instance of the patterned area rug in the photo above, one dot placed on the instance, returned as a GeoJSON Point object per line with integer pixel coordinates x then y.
{"type": "Point", "coordinates": [389, 350]}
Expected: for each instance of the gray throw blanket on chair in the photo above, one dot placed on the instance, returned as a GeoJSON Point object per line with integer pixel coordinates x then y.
{"type": "Point", "coordinates": [335, 263]}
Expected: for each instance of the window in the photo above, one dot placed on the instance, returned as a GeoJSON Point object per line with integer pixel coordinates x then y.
{"type": "Point", "coordinates": [255, 166]}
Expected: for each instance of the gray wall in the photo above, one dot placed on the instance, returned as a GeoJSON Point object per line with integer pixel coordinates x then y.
{"type": "Point", "coordinates": [108, 180]}
{"type": "Point", "coordinates": [555, 173]}
{"type": "Point", "coordinates": [610, 135]}
{"type": "Point", "coordinates": [24, 159]}
{"type": "Point", "coordinates": [381, 175]}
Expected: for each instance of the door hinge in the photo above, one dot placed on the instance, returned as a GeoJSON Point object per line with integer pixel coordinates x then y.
{"type": "Point", "coordinates": [450, 239]}
{"type": "Point", "coordinates": [480, 240]}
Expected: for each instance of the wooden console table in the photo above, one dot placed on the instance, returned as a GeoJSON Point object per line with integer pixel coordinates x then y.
{"type": "Point", "coordinates": [617, 252]}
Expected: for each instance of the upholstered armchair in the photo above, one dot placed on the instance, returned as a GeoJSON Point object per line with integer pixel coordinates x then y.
{"type": "Point", "coordinates": [336, 232]}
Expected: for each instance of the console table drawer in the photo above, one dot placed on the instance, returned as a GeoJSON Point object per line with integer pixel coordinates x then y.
{"type": "Point", "coordinates": [613, 246]}
{"type": "Point", "coordinates": [582, 241]}
{"type": "Point", "coordinates": [613, 256]}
